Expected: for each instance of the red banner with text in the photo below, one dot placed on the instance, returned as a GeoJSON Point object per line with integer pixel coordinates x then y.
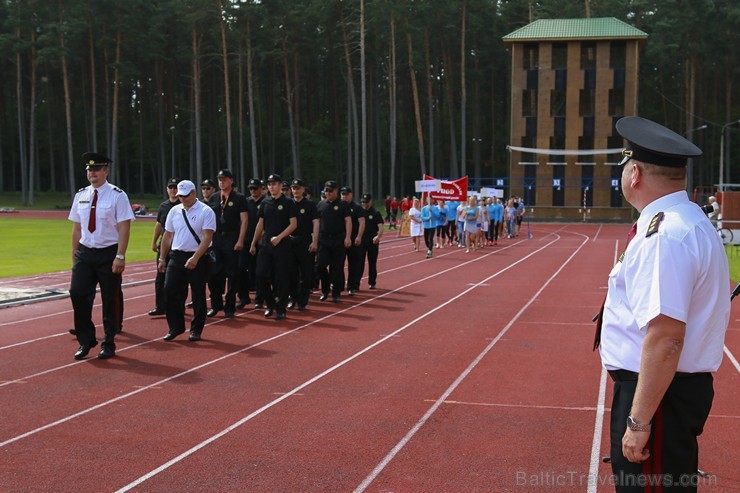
{"type": "Point", "coordinates": [451, 190]}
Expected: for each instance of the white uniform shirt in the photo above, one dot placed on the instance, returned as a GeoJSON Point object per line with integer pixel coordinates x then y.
{"type": "Point", "coordinates": [111, 208]}
{"type": "Point", "coordinates": [200, 216]}
{"type": "Point", "coordinates": [681, 272]}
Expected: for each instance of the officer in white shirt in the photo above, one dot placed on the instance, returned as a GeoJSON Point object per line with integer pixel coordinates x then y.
{"type": "Point", "coordinates": [102, 218]}
{"type": "Point", "coordinates": [664, 318]}
{"type": "Point", "coordinates": [188, 231]}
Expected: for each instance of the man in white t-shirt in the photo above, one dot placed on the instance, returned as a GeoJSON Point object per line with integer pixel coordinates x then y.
{"type": "Point", "coordinates": [188, 231]}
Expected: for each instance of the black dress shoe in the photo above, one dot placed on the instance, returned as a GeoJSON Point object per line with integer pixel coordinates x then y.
{"type": "Point", "coordinates": [291, 304]}
{"type": "Point", "coordinates": [107, 352]}
{"type": "Point", "coordinates": [189, 304]}
{"type": "Point", "coordinates": [172, 335]}
{"type": "Point", "coordinates": [84, 350]}
{"type": "Point", "coordinates": [350, 292]}
{"type": "Point", "coordinates": [243, 303]}
{"type": "Point", "coordinates": [372, 286]}
{"type": "Point", "coordinates": [156, 313]}
{"type": "Point", "coordinates": [212, 312]}
{"type": "Point", "coordinates": [280, 315]}
{"type": "Point", "coordinates": [269, 312]}
{"type": "Point", "coordinates": [73, 332]}
{"type": "Point", "coordinates": [336, 299]}
{"type": "Point", "coordinates": [301, 308]}
{"type": "Point", "coordinates": [229, 314]}
{"type": "Point", "coordinates": [258, 306]}
{"type": "Point", "coordinates": [323, 297]}
{"type": "Point", "coordinates": [194, 336]}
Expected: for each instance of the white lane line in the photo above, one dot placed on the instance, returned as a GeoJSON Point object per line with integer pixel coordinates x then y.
{"type": "Point", "coordinates": [64, 312]}
{"type": "Point", "coordinates": [597, 232]}
{"type": "Point", "coordinates": [593, 468]}
{"type": "Point", "coordinates": [732, 359]}
{"type": "Point", "coordinates": [229, 355]}
{"type": "Point", "coordinates": [389, 457]}
{"type": "Point", "coordinates": [517, 406]}
{"type": "Point", "coordinates": [321, 375]}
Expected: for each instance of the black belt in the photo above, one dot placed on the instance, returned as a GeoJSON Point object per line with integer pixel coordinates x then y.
{"type": "Point", "coordinates": [182, 252]}
{"type": "Point", "coordinates": [103, 249]}
{"type": "Point", "coordinates": [631, 376]}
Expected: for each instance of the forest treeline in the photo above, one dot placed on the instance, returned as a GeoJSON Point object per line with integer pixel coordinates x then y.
{"type": "Point", "coordinates": [372, 93]}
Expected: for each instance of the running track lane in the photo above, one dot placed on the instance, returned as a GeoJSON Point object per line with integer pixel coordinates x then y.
{"type": "Point", "coordinates": [315, 440]}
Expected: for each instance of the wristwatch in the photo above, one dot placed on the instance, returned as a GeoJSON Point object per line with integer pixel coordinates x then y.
{"type": "Point", "coordinates": [120, 257]}
{"type": "Point", "coordinates": [634, 425]}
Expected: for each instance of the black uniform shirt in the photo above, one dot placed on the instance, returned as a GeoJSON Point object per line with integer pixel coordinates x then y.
{"type": "Point", "coordinates": [228, 212]}
{"type": "Point", "coordinates": [164, 209]}
{"type": "Point", "coordinates": [356, 211]}
{"type": "Point", "coordinates": [306, 212]}
{"type": "Point", "coordinates": [332, 216]}
{"type": "Point", "coordinates": [373, 222]}
{"type": "Point", "coordinates": [276, 214]}
{"type": "Point", "coordinates": [253, 207]}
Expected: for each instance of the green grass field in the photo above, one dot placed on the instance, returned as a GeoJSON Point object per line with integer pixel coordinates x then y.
{"type": "Point", "coordinates": [36, 246]}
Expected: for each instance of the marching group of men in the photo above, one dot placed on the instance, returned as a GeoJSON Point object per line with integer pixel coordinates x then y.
{"type": "Point", "coordinates": [276, 242]}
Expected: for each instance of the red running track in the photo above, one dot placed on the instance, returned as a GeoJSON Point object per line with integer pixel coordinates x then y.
{"type": "Point", "coordinates": [467, 372]}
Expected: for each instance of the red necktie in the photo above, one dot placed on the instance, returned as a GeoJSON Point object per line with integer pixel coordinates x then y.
{"type": "Point", "coordinates": [599, 318]}
{"type": "Point", "coordinates": [91, 220]}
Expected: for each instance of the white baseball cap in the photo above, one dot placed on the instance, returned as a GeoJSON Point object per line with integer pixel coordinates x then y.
{"type": "Point", "coordinates": [185, 187]}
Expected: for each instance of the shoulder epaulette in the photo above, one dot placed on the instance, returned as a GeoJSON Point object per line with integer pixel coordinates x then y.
{"type": "Point", "coordinates": [82, 189]}
{"type": "Point", "coordinates": [654, 224]}
{"type": "Point", "coordinates": [117, 189]}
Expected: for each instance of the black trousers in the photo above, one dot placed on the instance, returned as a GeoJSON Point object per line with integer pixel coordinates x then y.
{"type": "Point", "coordinates": [223, 276]}
{"type": "Point", "coordinates": [159, 293]}
{"type": "Point", "coordinates": [494, 227]}
{"type": "Point", "coordinates": [331, 256]}
{"type": "Point", "coordinates": [176, 282]}
{"type": "Point", "coordinates": [248, 272]}
{"type": "Point", "coordinates": [273, 273]}
{"type": "Point", "coordinates": [94, 266]}
{"type": "Point", "coordinates": [355, 265]}
{"type": "Point", "coordinates": [429, 238]}
{"type": "Point", "coordinates": [302, 269]}
{"type": "Point", "coordinates": [674, 451]}
{"type": "Point", "coordinates": [371, 252]}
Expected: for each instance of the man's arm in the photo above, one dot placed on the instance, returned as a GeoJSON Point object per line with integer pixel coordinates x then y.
{"type": "Point", "coordinates": [348, 234]}
{"type": "Point", "coordinates": [275, 240]}
{"type": "Point", "coordinates": [314, 246]}
{"type": "Point", "coordinates": [257, 236]}
{"type": "Point", "coordinates": [381, 228]}
{"type": "Point", "coordinates": [205, 242]}
{"type": "Point", "coordinates": [157, 233]}
{"type": "Point", "coordinates": [124, 232]}
{"type": "Point", "coordinates": [661, 351]}
{"type": "Point", "coordinates": [164, 250]}
{"type": "Point", "coordinates": [76, 234]}
{"type": "Point", "coordinates": [360, 230]}
{"type": "Point", "coordinates": [244, 217]}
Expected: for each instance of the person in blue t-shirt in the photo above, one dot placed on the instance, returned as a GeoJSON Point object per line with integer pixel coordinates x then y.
{"type": "Point", "coordinates": [452, 221]}
{"type": "Point", "coordinates": [429, 218]}
{"type": "Point", "coordinates": [497, 218]}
